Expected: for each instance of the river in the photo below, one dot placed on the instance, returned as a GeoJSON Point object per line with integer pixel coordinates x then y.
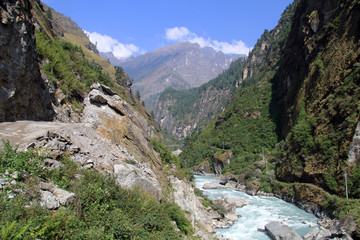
{"type": "Point", "coordinates": [260, 211]}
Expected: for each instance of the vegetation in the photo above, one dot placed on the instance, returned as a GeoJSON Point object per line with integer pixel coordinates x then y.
{"type": "Point", "coordinates": [101, 209]}
{"type": "Point", "coordinates": [67, 67]}
{"type": "Point", "coordinates": [170, 159]}
{"type": "Point", "coordinates": [184, 100]}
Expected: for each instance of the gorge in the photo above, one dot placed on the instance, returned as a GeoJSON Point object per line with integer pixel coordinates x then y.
{"type": "Point", "coordinates": [81, 157]}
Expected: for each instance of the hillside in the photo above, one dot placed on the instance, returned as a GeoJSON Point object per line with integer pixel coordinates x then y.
{"type": "Point", "coordinates": [298, 104]}
{"type": "Point", "coordinates": [80, 157]}
{"type": "Point", "coordinates": [182, 112]}
{"type": "Point", "coordinates": [179, 66]}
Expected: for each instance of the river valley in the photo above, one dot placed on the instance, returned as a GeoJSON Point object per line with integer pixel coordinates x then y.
{"type": "Point", "coordinates": [260, 211]}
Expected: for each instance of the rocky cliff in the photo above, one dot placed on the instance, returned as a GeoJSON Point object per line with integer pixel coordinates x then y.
{"type": "Point", "coordinates": [318, 92]}
{"type": "Point", "coordinates": [23, 93]}
{"type": "Point", "coordinates": [179, 66]}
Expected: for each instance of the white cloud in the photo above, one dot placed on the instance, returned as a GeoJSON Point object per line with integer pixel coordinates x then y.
{"type": "Point", "coordinates": [106, 43]}
{"type": "Point", "coordinates": [181, 34]}
{"type": "Point", "coordinates": [177, 33]}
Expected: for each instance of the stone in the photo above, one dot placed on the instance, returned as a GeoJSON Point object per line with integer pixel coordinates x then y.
{"type": "Point", "coordinates": [64, 196]}
{"type": "Point", "coordinates": [311, 235]}
{"type": "Point", "coordinates": [50, 164]}
{"type": "Point", "coordinates": [228, 208]}
{"type": "Point", "coordinates": [96, 97]}
{"type": "Point", "coordinates": [130, 176]}
{"type": "Point", "coordinates": [213, 185]}
{"type": "Point", "coordinates": [231, 184]}
{"type": "Point", "coordinates": [4, 181]}
{"type": "Point", "coordinates": [49, 200]}
{"type": "Point", "coordinates": [46, 186]}
{"type": "Point", "coordinates": [239, 202]}
{"type": "Point", "coordinates": [323, 234]}
{"type": "Point", "coordinates": [15, 175]}
{"type": "Point", "coordinates": [252, 188]}
{"type": "Point", "coordinates": [279, 231]}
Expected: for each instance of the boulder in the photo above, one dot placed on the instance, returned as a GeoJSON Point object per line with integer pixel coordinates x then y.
{"type": "Point", "coordinates": [64, 196]}
{"type": "Point", "coordinates": [213, 185]}
{"type": "Point", "coordinates": [231, 184]}
{"type": "Point", "coordinates": [49, 200]}
{"type": "Point", "coordinates": [130, 176]}
{"type": "Point", "coordinates": [202, 168]}
{"type": "Point", "coordinates": [279, 231]}
{"type": "Point", "coordinates": [252, 188]}
{"type": "Point", "coordinates": [239, 202]}
{"type": "Point", "coordinates": [227, 208]}
{"type": "Point", "coordinates": [221, 160]}
{"type": "Point", "coordinates": [311, 235]}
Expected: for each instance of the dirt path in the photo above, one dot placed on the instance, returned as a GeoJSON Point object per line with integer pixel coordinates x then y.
{"type": "Point", "coordinates": [25, 131]}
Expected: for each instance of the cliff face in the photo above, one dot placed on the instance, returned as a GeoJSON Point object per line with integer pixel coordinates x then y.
{"type": "Point", "coordinates": [23, 93]}
{"type": "Point", "coordinates": [203, 109]}
{"type": "Point", "coordinates": [318, 89]}
{"type": "Point", "coordinates": [179, 66]}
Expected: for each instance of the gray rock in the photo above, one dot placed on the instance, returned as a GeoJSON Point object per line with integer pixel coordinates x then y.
{"type": "Point", "coordinates": [231, 184]}
{"type": "Point", "coordinates": [46, 186]}
{"type": "Point", "coordinates": [64, 196]}
{"type": "Point", "coordinates": [239, 202]}
{"type": "Point", "coordinates": [279, 231]}
{"type": "Point", "coordinates": [130, 176]}
{"type": "Point", "coordinates": [4, 181]}
{"type": "Point", "coordinates": [15, 175]}
{"type": "Point", "coordinates": [228, 208]}
{"type": "Point", "coordinates": [311, 235]}
{"type": "Point", "coordinates": [323, 234]}
{"type": "Point", "coordinates": [50, 164]}
{"type": "Point", "coordinates": [213, 185]}
{"type": "Point", "coordinates": [96, 97]}
{"type": "Point", "coordinates": [49, 200]}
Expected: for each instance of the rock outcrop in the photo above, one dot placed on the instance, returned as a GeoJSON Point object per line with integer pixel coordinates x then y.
{"type": "Point", "coordinates": [184, 196]}
{"type": "Point", "coordinates": [23, 93]}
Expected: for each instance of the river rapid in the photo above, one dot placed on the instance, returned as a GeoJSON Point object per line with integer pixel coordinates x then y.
{"type": "Point", "coordinates": [260, 211]}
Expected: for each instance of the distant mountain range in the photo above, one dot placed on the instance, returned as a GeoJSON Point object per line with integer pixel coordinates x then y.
{"type": "Point", "coordinates": [180, 66]}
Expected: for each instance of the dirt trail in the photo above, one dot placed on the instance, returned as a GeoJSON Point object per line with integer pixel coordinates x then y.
{"type": "Point", "coordinates": [21, 132]}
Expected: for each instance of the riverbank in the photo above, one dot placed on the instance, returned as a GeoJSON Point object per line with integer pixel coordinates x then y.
{"type": "Point", "coordinates": [307, 197]}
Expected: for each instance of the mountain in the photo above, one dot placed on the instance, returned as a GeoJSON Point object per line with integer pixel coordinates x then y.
{"type": "Point", "coordinates": [180, 66]}
{"type": "Point", "coordinates": [181, 112]}
{"type": "Point", "coordinates": [292, 125]}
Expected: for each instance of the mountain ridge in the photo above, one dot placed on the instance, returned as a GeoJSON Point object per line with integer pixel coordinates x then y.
{"type": "Point", "coordinates": [181, 66]}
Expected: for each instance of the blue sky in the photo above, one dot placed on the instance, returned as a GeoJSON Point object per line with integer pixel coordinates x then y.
{"type": "Point", "coordinates": [133, 27]}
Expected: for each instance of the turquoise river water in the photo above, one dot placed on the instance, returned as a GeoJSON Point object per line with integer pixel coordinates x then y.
{"type": "Point", "coordinates": [260, 211]}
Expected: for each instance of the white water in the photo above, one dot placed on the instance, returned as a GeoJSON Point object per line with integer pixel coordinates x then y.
{"type": "Point", "coordinates": [260, 211]}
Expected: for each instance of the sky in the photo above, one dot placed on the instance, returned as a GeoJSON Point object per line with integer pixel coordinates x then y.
{"type": "Point", "coordinates": [133, 27]}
